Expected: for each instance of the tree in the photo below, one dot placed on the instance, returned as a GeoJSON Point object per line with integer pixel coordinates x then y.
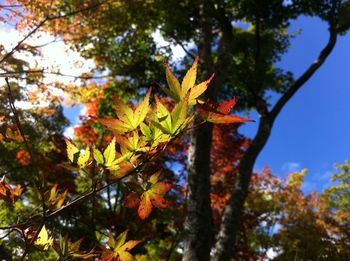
{"type": "Point", "coordinates": [243, 62]}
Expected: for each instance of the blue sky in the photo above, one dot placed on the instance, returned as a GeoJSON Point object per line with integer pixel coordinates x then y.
{"type": "Point", "coordinates": [313, 130]}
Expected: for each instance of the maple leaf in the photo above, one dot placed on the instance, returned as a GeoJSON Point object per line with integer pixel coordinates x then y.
{"type": "Point", "coordinates": [23, 157]}
{"type": "Point", "coordinates": [131, 144]}
{"type": "Point", "coordinates": [128, 119]}
{"type": "Point", "coordinates": [119, 248]}
{"type": "Point", "coordinates": [71, 150]}
{"type": "Point", "coordinates": [110, 158]}
{"type": "Point", "coordinates": [152, 134]}
{"type": "Point", "coordinates": [219, 115]}
{"type": "Point", "coordinates": [7, 193]}
{"type": "Point", "coordinates": [66, 248]}
{"type": "Point", "coordinates": [173, 122]}
{"type": "Point", "coordinates": [152, 197]}
{"type": "Point", "coordinates": [84, 158]}
{"type": "Point", "coordinates": [53, 197]}
{"type": "Point", "coordinates": [44, 241]}
{"type": "Point", "coordinates": [178, 92]}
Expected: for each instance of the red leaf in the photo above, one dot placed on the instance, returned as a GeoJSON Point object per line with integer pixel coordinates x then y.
{"type": "Point", "coordinates": [226, 106]}
{"type": "Point", "coordinates": [226, 119]}
{"type": "Point", "coordinates": [132, 200]}
{"type": "Point", "coordinates": [219, 115]}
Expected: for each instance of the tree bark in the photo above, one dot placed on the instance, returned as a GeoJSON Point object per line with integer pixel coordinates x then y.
{"type": "Point", "coordinates": [198, 225]}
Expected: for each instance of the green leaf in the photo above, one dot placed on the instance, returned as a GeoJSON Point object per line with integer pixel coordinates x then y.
{"type": "Point", "coordinates": [124, 113]}
{"type": "Point", "coordinates": [163, 117]}
{"type": "Point", "coordinates": [121, 239]}
{"type": "Point", "coordinates": [178, 116]}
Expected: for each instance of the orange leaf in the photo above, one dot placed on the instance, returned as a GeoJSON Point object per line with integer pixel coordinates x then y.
{"type": "Point", "coordinates": [9, 194]}
{"type": "Point", "coordinates": [161, 188]}
{"type": "Point", "coordinates": [158, 201]}
{"type": "Point", "coordinates": [145, 207]}
{"type": "Point", "coordinates": [114, 124]}
{"type": "Point", "coordinates": [129, 245]}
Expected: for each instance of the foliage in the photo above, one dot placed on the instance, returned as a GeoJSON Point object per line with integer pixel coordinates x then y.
{"type": "Point", "coordinates": [80, 197]}
{"type": "Point", "coordinates": [138, 137]}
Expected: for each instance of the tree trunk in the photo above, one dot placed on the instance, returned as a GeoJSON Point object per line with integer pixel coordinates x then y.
{"type": "Point", "coordinates": [227, 236]}
{"type": "Point", "coordinates": [198, 225]}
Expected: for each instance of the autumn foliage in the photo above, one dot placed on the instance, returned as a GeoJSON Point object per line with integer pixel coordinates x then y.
{"type": "Point", "coordinates": [139, 135]}
{"type": "Point", "coordinates": [118, 188]}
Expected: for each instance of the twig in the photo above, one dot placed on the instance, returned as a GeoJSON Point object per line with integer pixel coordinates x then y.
{"type": "Point", "coordinates": [16, 118]}
{"type": "Point", "coordinates": [185, 50]}
{"type": "Point", "coordinates": [13, 74]}
{"type": "Point", "coordinates": [14, 49]}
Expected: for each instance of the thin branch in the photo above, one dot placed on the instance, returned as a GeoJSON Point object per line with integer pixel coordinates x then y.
{"type": "Point", "coordinates": [10, 6]}
{"type": "Point", "coordinates": [14, 74]}
{"type": "Point", "coordinates": [14, 49]}
{"type": "Point", "coordinates": [33, 219]}
{"type": "Point", "coordinates": [185, 50]}
{"type": "Point", "coordinates": [44, 44]}
{"type": "Point", "coordinates": [16, 118]}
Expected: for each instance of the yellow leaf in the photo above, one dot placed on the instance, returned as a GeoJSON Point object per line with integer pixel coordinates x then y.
{"type": "Point", "coordinates": [43, 240]}
{"type": "Point", "coordinates": [125, 113]}
{"type": "Point", "coordinates": [98, 156]}
{"type": "Point", "coordinates": [71, 150]}
{"type": "Point", "coordinates": [84, 158]}
{"type": "Point", "coordinates": [142, 110]}
{"type": "Point", "coordinates": [173, 83]}
{"type": "Point", "coordinates": [198, 90]}
{"type": "Point", "coordinates": [109, 153]}
{"type": "Point", "coordinates": [189, 79]}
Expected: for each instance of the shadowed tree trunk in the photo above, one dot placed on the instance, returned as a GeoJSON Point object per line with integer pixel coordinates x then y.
{"type": "Point", "coordinates": [198, 224]}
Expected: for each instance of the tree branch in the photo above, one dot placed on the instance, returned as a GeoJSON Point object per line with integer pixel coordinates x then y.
{"type": "Point", "coordinates": [185, 50]}
{"type": "Point", "coordinates": [14, 49]}
{"type": "Point", "coordinates": [307, 74]}
{"type": "Point", "coordinates": [14, 74]}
